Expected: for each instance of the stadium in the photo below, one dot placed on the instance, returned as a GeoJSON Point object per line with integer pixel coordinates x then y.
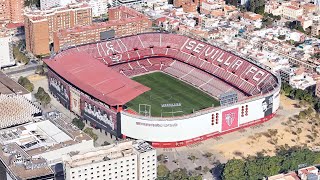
{"type": "Point", "coordinates": [168, 89]}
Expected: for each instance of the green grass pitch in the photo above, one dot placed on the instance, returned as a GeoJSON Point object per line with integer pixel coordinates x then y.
{"type": "Point", "coordinates": [166, 89]}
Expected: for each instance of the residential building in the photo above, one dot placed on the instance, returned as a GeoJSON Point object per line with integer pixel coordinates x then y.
{"type": "Point", "coordinates": [116, 3]}
{"type": "Point", "coordinates": [123, 21]}
{"type": "Point", "coordinates": [121, 161]}
{"type": "Point", "coordinates": [6, 55]}
{"type": "Point", "coordinates": [190, 7]}
{"type": "Point", "coordinates": [40, 25]}
{"type": "Point", "coordinates": [99, 7]}
{"type": "Point", "coordinates": [286, 74]}
{"type": "Point", "coordinates": [309, 173]}
{"type": "Point", "coordinates": [11, 11]}
{"type": "Point", "coordinates": [288, 176]}
{"type": "Point", "coordinates": [179, 3]}
{"type": "Point", "coordinates": [292, 12]}
{"type": "Point", "coordinates": [48, 4]}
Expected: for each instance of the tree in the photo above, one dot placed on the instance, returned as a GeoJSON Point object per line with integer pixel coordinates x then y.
{"type": "Point", "coordinates": [40, 70]}
{"type": "Point", "coordinates": [260, 10]}
{"type": "Point", "coordinates": [25, 82]}
{"type": "Point", "coordinates": [299, 131]}
{"type": "Point", "coordinates": [252, 6]}
{"type": "Point", "coordinates": [19, 56]}
{"type": "Point", "coordinates": [42, 96]}
{"type": "Point", "coordinates": [234, 169]}
{"type": "Point", "coordinates": [205, 169]}
{"type": "Point", "coordinates": [208, 154]}
{"type": "Point", "coordinates": [32, 3]}
{"type": "Point", "coordinates": [287, 159]}
{"type": "Point", "coordinates": [105, 143]}
{"type": "Point", "coordinates": [281, 37]}
{"type": "Point", "coordinates": [302, 115]}
{"type": "Point", "coordinates": [192, 158]}
{"type": "Point", "coordinates": [162, 171]}
{"type": "Point", "coordinates": [90, 132]}
{"type": "Point", "coordinates": [179, 174]}
{"type": "Point", "coordinates": [79, 123]}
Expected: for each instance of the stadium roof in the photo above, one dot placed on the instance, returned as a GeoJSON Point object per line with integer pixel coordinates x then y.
{"type": "Point", "coordinates": [96, 79]}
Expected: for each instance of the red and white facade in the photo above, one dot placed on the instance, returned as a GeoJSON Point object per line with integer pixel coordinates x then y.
{"type": "Point", "coordinates": [205, 66]}
{"type": "Point", "coordinates": [181, 131]}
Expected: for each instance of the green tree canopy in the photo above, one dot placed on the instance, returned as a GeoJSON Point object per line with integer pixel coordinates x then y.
{"type": "Point", "coordinates": [78, 122]}
{"type": "Point", "coordinates": [19, 56]}
{"type": "Point", "coordinates": [42, 96]}
{"type": "Point", "coordinates": [25, 82]}
{"type": "Point", "coordinates": [162, 171]}
{"type": "Point", "coordinates": [90, 132]}
{"type": "Point", "coordinates": [260, 167]}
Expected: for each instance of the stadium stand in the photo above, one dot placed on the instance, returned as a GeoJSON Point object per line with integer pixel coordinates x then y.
{"type": "Point", "coordinates": [145, 48]}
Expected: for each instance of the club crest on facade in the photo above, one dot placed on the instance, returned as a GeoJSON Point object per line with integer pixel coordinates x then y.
{"type": "Point", "coordinates": [230, 117]}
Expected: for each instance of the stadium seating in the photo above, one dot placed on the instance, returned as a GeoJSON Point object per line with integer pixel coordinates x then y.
{"type": "Point", "coordinates": [193, 60]}
{"type": "Point", "coordinates": [159, 51]}
{"type": "Point", "coordinates": [150, 40]}
{"type": "Point", "coordinates": [147, 49]}
{"type": "Point", "coordinates": [132, 42]}
{"type": "Point", "coordinates": [173, 41]}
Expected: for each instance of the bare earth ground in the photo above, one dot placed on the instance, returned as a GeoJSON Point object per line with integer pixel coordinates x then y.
{"type": "Point", "coordinates": [281, 130]}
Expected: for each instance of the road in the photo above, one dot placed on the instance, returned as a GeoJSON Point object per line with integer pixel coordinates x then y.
{"type": "Point", "coordinates": [18, 70]}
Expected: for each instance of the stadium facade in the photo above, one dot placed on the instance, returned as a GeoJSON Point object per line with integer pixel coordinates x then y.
{"type": "Point", "coordinates": [93, 82]}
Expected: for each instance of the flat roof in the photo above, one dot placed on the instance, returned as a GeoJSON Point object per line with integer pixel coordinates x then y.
{"type": "Point", "coordinates": [9, 86]}
{"type": "Point", "coordinates": [33, 169]}
{"type": "Point", "coordinates": [96, 78]}
{"type": "Point", "coordinates": [105, 153]}
{"type": "Point", "coordinates": [23, 147]}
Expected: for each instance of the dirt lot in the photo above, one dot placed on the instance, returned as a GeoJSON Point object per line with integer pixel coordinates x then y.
{"type": "Point", "coordinates": [283, 130]}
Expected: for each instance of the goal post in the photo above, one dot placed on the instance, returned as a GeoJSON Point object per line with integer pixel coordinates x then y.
{"type": "Point", "coordinates": [145, 109]}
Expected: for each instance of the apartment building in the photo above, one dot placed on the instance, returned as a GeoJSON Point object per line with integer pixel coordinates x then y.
{"type": "Point", "coordinates": [116, 3]}
{"type": "Point", "coordinates": [292, 12]}
{"type": "Point", "coordinates": [123, 21]}
{"type": "Point", "coordinates": [47, 4]}
{"type": "Point", "coordinates": [6, 56]}
{"type": "Point", "coordinates": [40, 25]}
{"type": "Point", "coordinates": [11, 11]}
{"type": "Point", "coordinates": [99, 7]}
{"type": "Point", "coordinates": [134, 160]}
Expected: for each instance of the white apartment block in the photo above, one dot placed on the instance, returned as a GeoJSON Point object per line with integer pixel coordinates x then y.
{"type": "Point", "coordinates": [99, 7]}
{"type": "Point", "coordinates": [47, 4]}
{"type": "Point", "coordinates": [128, 3]}
{"type": "Point", "coordinates": [6, 56]}
{"type": "Point", "coordinates": [130, 160]}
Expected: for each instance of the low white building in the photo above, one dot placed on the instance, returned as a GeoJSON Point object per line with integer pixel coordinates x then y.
{"type": "Point", "coordinates": [31, 150]}
{"type": "Point", "coordinates": [116, 3]}
{"type": "Point", "coordinates": [134, 160]}
{"type": "Point", "coordinates": [47, 4]}
{"type": "Point", "coordinates": [6, 56]}
{"type": "Point", "coordinates": [302, 81]}
{"type": "Point", "coordinates": [99, 7]}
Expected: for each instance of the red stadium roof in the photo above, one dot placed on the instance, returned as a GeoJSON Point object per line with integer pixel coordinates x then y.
{"type": "Point", "coordinates": [96, 79]}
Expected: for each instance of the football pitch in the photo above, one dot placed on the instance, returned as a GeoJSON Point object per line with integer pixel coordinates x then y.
{"type": "Point", "coordinates": [165, 91]}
